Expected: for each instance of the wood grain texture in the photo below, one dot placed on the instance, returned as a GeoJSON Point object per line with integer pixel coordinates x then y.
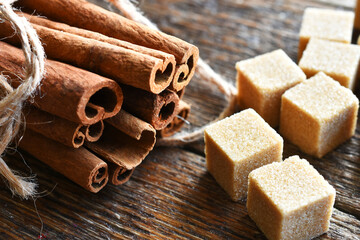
{"type": "Point", "coordinates": [171, 195]}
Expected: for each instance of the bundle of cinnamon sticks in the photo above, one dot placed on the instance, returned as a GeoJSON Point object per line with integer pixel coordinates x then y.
{"type": "Point", "coordinates": [112, 86]}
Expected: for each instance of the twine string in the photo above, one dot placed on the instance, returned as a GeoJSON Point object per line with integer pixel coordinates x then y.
{"type": "Point", "coordinates": [204, 71]}
{"type": "Point", "coordinates": [12, 100]}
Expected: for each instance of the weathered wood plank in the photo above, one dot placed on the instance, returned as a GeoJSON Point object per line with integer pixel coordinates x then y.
{"type": "Point", "coordinates": [170, 196]}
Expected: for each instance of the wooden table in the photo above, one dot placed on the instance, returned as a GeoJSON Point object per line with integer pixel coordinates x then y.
{"type": "Point", "coordinates": [171, 195]}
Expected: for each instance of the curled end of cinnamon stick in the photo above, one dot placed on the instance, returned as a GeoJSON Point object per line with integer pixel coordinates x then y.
{"type": "Point", "coordinates": [93, 132]}
{"type": "Point", "coordinates": [104, 101]}
{"type": "Point", "coordinates": [180, 78]}
{"type": "Point", "coordinates": [178, 121]}
{"type": "Point", "coordinates": [118, 174]}
{"type": "Point", "coordinates": [167, 110]}
{"type": "Point", "coordinates": [162, 75]}
{"type": "Point", "coordinates": [79, 165]}
{"type": "Point", "coordinates": [148, 137]}
{"type": "Point", "coordinates": [98, 177]}
{"type": "Point", "coordinates": [192, 57]}
{"type": "Point", "coordinates": [184, 72]}
{"type": "Point", "coordinates": [79, 136]}
{"type": "Point", "coordinates": [61, 130]}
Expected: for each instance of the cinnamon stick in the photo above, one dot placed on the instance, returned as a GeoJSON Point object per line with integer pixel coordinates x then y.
{"type": "Point", "coordinates": [93, 132]}
{"type": "Point", "coordinates": [79, 165]}
{"type": "Point", "coordinates": [181, 75]}
{"type": "Point", "coordinates": [169, 60]}
{"type": "Point", "coordinates": [130, 125]}
{"type": "Point", "coordinates": [119, 175]}
{"type": "Point", "coordinates": [83, 14]}
{"type": "Point", "coordinates": [123, 65]}
{"type": "Point", "coordinates": [176, 124]}
{"type": "Point", "coordinates": [181, 78]}
{"type": "Point", "coordinates": [61, 130]}
{"type": "Point", "coordinates": [119, 148]}
{"type": "Point", "coordinates": [66, 91]}
{"type": "Point", "coordinates": [156, 109]}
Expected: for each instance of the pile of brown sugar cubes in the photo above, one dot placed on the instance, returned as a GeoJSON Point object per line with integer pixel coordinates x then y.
{"type": "Point", "coordinates": [312, 105]}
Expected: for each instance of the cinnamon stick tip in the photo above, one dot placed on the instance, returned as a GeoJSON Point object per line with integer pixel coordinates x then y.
{"type": "Point", "coordinates": [98, 178]}
{"type": "Point", "coordinates": [178, 121]}
{"type": "Point", "coordinates": [93, 132]}
{"type": "Point", "coordinates": [166, 113]}
{"type": "Point", "coordinates": [79, 136]}
{"type": "Point", "coordinates": [186, 71]}
{"type": "Point", "coordinates": [121, 175]}
{"type": "Point", "coordinates": [104, 101]}
{"type": "Point", "coordinates": [162, 75]}
{"type": "Point", "coordinates": [180, 78]}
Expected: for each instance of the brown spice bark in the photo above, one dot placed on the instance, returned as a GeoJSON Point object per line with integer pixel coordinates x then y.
{"type": "Point", "coordinates": [169, 60]}
{"type": "Point", "coordinates": [61, 130]}
{"type": "Point", "coordinates": [79, 165]}
{"type": "Point", "coordinates": [83, 14]}
{"type": "Point", "coordinates": [121, 64]}
{"type": "Point", "coordinates": [176, 124]}
{"type": "Point", "coordinates": [156, 109]}
{"type": "Point", "coordinates": [58, 129]}
{"type": "Point", "coordinates": [181, 78]}
{"type": "Point", "coordinates": [119, 175]}
{"type": "Point", "coordinates": [66, 91]}
{"type": "Point", "coordinates": [119, 148]}
{"type": "Point", "coordinates": [130, 125]}
{"type": "Point", "coordinates": [94, 132]}
{"type": "Point", "coordinates": [181, 75]}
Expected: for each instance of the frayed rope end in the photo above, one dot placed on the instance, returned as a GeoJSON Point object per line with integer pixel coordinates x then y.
{"type": "Point", "coordinates": [23, 187]}
{"type": "Point", "coordinates": [12, 99]}
{"type": "Point", "coordinates": [27, 187]}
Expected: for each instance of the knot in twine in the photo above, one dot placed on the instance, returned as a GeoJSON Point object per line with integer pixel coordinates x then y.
{"type": "Point", "coordinates": [12, 100]}
{"type": "Point", "coordinates": [204, 71]}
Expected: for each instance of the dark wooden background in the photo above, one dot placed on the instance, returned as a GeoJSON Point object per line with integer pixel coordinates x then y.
{"type": "Point", "coordinates": [171, 195]}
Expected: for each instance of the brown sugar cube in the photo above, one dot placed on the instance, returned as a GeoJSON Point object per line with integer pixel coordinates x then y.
{"type": "Point", "coordinates": [318, 115]}
{"type": "Point", "coordinates": [290, 200]}
{"type": "Point", "coordinates": [262, 80]}
{"type": "Point", "coordinates": [332, 25]}
{"type": "Point", "coordinates": [338, 60]}
{"type": "Point", "coordinates": [237, 145]}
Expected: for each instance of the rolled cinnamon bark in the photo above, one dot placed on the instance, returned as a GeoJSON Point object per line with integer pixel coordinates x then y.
{"type": "Point", "coordinates": [130, 125]}
{"type": "Point", "coordinates": [66, 91]}
{"type": "Point", "coordinates": [156, 109]}
{"type": "Point", "coordinates": [83, 14]}
{"type": "Point", "coordinates": [117, 147]}
{"type": "Point", "coordinates": [119, 175]}
{"type": "Point", "coordinates": [93, 132]}
{"type": "Point", "coordinates": [181, 78]}
{"type": "Point", "coordinates": [169, 60]}
{"type": "Point", "coordinates": [121, 64]}
{"type": "Point", "coordinates": [58, 129]}
{"type": "Point", "coordinates": [178, 121]}
{"type": "Point", "coordinates": [79, 165]}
